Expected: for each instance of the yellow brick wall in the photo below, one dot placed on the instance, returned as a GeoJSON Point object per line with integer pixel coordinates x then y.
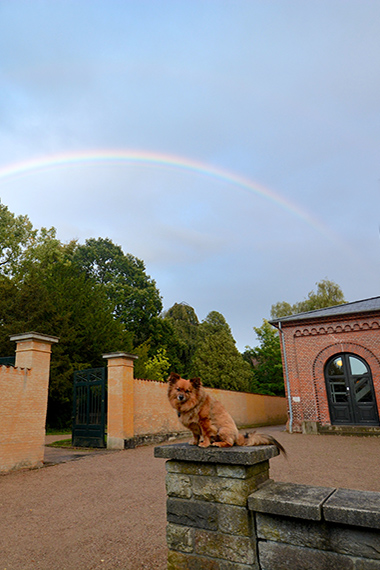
{"type": "Point", "coordinates": [153, 413]}
{"type": "Point", "coordinates": [23, 403]}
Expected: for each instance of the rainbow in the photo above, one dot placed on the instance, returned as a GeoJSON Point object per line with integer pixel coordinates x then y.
{"type": "Point", "coordinates": [108, 156]}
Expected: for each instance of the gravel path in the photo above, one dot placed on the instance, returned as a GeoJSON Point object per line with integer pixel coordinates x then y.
{"type": "Point", "coordinates": [106, 510]}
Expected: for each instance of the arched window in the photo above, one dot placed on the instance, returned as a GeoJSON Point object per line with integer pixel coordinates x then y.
{"type": "Point", "coordinates": [350, 391]}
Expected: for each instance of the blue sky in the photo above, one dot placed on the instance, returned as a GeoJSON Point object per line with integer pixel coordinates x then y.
{"type": "Point", "coordinates": [284, 94]}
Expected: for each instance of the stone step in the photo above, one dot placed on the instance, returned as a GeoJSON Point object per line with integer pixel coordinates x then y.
{"type": "Point", "coordinates": [350, 430]}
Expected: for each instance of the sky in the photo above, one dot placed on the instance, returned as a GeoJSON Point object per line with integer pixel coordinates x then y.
{"type": "Point", "coordinates": [232, 145]}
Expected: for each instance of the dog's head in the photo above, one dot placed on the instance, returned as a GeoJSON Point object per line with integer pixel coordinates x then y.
{"type": "Point", "coordinates": [182, 393]}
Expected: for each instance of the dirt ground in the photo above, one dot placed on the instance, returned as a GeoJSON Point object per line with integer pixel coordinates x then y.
{"type": "Point", "coordinates": [106, 510]}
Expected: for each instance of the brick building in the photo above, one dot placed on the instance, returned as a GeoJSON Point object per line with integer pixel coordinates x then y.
{"type": "Point", "coordinates": [331, 360]}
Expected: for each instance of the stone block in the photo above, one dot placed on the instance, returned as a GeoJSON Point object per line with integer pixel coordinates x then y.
{"type": "Point", "coordinates": [191, 468]}
{"type": "Point", "coordinates": [178, 485]}
{"type": "Point", "coordinates": [310, 428]}
{"type": "Point", "coordinates": [179, 538]}
{"type": "Point", "coordinates": [361, 508]}
{"type": "Point", "coordinates": [319, 535]}
{"type": "Point", "coordinates": [224, 546]}
{"type": "Point", "coordinates": [277, 556]}
{"type": "Point", "coordinates": [242, 471]}
{"type": "Point", "coordinates": [234, 520]}
{"type": "Point", "coordinates": [223, 490]}
{"type": "Point", "coordinates": [290, 500]}
{"type": "Point", "coordinates": [192, 513]}
{"type": "Point", "coordinates": [225, 565]}
{"type": "Point", "coordinates": [365, 564]}
{"type": "Point", "coordinates": [180, 561]}
{"type": "Point", "coordinates": [232, 455]}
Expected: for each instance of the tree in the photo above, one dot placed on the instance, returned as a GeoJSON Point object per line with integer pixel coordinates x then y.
{"type": "Point", "coordinates": [158, 366]}
{"type": "Point", "coordinates": [43, 290]}
{"type": "Point", "coordinates": [62, 302]}
{"type": "Point", "coordinates": [217, 360]}
{"type": "Point", "coordinates": [16, 234]}
{"type": "Point", "coordinates": [328, 294]}
{"type": "Point", "coordinates": [133, 294]}
{"type": "Point", "coordinates": [184, 322]}
{"type": "Point", "coordinates": [265, 361]}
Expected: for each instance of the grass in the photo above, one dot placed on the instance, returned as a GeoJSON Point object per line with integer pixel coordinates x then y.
{"type": "Point", "coordinates": [61, 443]}
{"type": "Point", "coordinates": [55, 431]}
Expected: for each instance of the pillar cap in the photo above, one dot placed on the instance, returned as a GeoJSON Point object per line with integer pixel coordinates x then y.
{"type": "Point", "coordinates": [120, 355]}
{"type": "Point", "coordinates": [237, 455]}
{"type": "Point", "coordinates": [34, 336]}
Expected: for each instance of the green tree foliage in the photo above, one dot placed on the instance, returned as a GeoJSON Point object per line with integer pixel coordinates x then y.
{"type": "Point", "coordinates": [134, 296]}
{"type": "Point", "coordinates": [42, 290]}
{"type": "Point", "coordinates": [265, 361]}
{"type": "Point", "coordinates": [217, 361]}
{"type": "Point", "coordinates": [157, 367]}
{"type": "Point", "coordinates": [184, 323]}
{"type": "Point", "coordinates": [327, 294]}
{"type": "Point", "coordinates": [16, 237]}
{"type": "Point", "coordinates": [63, 303]}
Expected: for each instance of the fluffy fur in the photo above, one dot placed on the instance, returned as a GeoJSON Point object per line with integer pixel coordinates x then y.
{"type": "Point", "coordinates": [206, 418]}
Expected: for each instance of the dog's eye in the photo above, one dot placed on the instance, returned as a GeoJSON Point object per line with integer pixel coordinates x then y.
{"type": "Point", "coordinates": [187, 391]}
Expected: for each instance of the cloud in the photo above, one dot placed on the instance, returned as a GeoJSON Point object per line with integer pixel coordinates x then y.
{"type": "Point", "coordinates": [282, 94]}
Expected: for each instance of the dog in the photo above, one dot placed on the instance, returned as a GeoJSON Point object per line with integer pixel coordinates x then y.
{"type": "Point", "coordinates": [207, 419]}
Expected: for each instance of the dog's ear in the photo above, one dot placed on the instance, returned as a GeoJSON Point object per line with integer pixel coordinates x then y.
{"type": "Point", "coordinates": [173, 378]}
{"type": "Point", "coordinates": [196, 382]}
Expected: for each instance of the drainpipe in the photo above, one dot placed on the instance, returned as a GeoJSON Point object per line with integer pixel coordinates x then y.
{"type": "Point", "coordinates": [287, 378]}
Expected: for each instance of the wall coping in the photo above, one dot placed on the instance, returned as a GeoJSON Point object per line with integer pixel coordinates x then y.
{"type": "Point", "coordinates": [120, 355]}
{"type": "Point", "coordinates": [347, 506]}
{"type": "Point", "coordinates": [236, 455]}
{"type": "Point", "coordinates": [290, 499]}
{"type": "Point", "coordinates": [343, 506]}
{"type": "Point", "coordinates": [34, 336]}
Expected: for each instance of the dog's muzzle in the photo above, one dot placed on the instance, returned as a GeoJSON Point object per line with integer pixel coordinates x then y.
{"type": "Point", "coordinates": [180, 397]}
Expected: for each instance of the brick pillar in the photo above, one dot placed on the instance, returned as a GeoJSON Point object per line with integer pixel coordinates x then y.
{"type": "Point", "coordinates": [33, 352]}
{"type": "Point", "coordinates": [209, 525]}
{"type": "Point", "coordinates": [120, 420]}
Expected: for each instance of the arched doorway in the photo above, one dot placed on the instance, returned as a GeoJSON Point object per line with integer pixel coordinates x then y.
{"type": "Point", "coordinates": [350, 391]}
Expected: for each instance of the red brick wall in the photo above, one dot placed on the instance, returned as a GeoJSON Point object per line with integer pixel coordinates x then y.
{"type": "Point", "coordinates": [309, 344]}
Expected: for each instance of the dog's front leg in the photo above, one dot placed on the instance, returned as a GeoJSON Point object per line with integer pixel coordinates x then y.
{"type": "Point", "coordinates": [208, 431]}
{"type": "Point", "coordinates": [194, 428]}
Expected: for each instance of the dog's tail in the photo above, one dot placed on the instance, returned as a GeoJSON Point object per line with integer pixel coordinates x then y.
{"type": "Point", "coordinates": [262, 439]}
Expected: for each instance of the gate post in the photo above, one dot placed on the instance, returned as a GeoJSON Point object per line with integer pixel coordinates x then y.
{"type": "Point", "coordinates": [33, 351]}
{"type": "Point", "coordinates": [26, 439]}
{"type": "Point", "coordinates": [120, 420]}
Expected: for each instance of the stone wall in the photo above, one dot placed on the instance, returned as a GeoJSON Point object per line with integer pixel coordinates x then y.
{"type": "Point", "coordinates": [316, 528]}
{"type": "Point", "coordinates": [223, 513]}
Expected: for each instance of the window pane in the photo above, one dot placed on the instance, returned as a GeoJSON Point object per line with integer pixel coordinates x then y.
{"type": "Point", "coordinates": [335, 367]}
{"type": "Point", "coordinates": [357, 366]}
{"type": "Point", "coordinates": [338, 391]}
{"type": "Point", "coordinates": [363, 390]}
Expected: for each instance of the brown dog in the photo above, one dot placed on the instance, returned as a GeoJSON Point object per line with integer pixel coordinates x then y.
{"type": "Point", "coordinates": [206, 418]}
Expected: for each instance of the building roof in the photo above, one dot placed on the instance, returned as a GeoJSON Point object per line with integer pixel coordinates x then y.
{"type": "Point", "coordinates": [364, 306]}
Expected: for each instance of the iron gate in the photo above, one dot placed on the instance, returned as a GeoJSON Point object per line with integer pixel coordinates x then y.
{"type": "Point", "coordinates": [89, 408]}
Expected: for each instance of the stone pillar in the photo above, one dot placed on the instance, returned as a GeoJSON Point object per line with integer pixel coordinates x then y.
{"type": "Point", "coordinates": [120, 420]}
{"type": "Point", "coordinates": [209, 525]}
